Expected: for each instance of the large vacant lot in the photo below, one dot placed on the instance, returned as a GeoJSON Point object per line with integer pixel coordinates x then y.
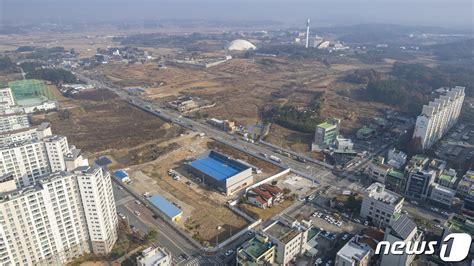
{"type": "Point", "coordinates": [98, 121]}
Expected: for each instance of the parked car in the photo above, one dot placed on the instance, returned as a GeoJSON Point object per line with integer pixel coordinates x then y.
{"type": "Point", "coordinates": [137, 213]}
{"type": "Point", "coordinates": [229, 252]}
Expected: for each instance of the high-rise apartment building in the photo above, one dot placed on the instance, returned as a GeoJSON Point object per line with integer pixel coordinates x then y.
{"type": "Point", "coordinates": [13, 121]}
{"type": "Point", "coordinates": [54, 207]}
{"type": "Point", "coordinates": [32, 158]}
{"type": "Point", "coordinates": [6, 96]}
{"type": "Point", "coordinates": [44, 223]}
{"type": "Point", "coordinates": [438, 117]}
{"type": "Point", "coordinates": [95, 186]}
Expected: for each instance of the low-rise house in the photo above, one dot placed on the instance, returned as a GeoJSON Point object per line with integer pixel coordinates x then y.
{"type": "Point", "coordinates": [265, 196]}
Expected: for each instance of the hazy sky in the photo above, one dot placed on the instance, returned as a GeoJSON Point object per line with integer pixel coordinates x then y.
{"type": "Point", "coordinates": [448, 13]}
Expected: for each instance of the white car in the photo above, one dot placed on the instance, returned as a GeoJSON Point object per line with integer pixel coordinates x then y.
{"type": "Point", "coordinates": [137, 213]}
{"type": "Point", "coordinates": [318, 261]}
{"type": "Point", "coordinates": [315, 214]}
{"type": "Point", "coordinates": [229, 252]}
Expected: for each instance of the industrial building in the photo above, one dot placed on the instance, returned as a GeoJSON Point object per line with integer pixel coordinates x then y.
{"type": "Point", "coordinates": [438, 117]}
{"type": "Point", "coordinates": [380, 205]}
{"type": "Point", "coordinates": [167, 208]}
{"type": "Point", "coordinates": [222, 172]}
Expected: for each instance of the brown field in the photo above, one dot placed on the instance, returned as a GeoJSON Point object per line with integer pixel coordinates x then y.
{"type": "Point", "coordinates": [101, 122]}
{"type": "Point", "coordinates": [242, 88]}
{"type": "Point", "coordinates": [268, 213]}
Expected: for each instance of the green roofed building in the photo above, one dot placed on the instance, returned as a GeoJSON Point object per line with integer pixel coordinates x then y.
{"type": "Point", "coordinates": [365, 133]}
{"type": "Point", "coordinates": [448, 178]}
{"type": "Point", "coordinates": [325, 134]}
{"type": "Point", "coordinates": [395, 181]}
{"type": "Point", "coordinates": [257, 251]}
{"type": "Point", "coordinates": [30, 92]}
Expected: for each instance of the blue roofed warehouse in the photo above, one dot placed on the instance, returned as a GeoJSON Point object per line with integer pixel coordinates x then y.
{"type": "Point", "coordinates": [167, 208]}
{"type": "Point", "coordinates": [221, 172]}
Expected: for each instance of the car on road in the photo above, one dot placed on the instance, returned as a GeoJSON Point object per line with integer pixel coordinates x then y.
{"type": "Point", "coordinates": [346, 236]}
{"type": "Point", "coordinates": [121, 215]}
{"type": "Point", "coordinates": [183, 257]}
{"type": "Point", "coordinates": [357, 220]}
{"type": "Point", "coordinates": [434, 209]}
{"type": "Point", "coordinates": [229, 252]}
{"type": "Point", "coordinates": [366, 223]}
{"type": "Point", "coordinates": [137, 213]}
{"type": "Point", "coordinates": [138, 202]}
{"type": "Point", "coordinates": [445, 213]}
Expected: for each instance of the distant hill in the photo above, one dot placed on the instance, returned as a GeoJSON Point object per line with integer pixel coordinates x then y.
{"type": "Point", "coordinates": [460, 50]}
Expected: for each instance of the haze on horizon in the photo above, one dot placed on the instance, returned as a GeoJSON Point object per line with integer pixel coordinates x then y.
{"type": "Point", "coordinates": [444, 13]}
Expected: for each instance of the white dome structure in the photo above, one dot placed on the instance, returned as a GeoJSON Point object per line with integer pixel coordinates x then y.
{"type": "Point", "coordinates": [240, 45]}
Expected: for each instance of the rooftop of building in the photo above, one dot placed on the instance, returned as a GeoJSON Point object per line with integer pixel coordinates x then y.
{"type": "Point", "coordinates": [365, 130]}
{"type": "Point", "coordinates": [444, 189]}
{"type": "Point", "coordinates": [39, 184]}
{"type": "Point", "coordinates": [256, 247]}
{"type": "Point", "coordinates": [354, 250]}
{"type": "Point", "coordinates": [396, 173]}
{"type": "Point", "coordinates": [168, 208]}
{"type": "Point", "coordinates": [377, 191]}
{"type": "Point", "coordinates": [403, 227]}
{"type": "Point", "coordinates": [151, 255]}
{"type": "Point", "coordinates": [282, 232]}
{"type": "Point", "coordinates": [218, 166]}
{"type": "Point", "coordinates": [326, 125]}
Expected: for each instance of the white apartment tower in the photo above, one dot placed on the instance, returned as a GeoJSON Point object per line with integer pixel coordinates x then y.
{"type": "Point", "coordinates": [42, 224]}
{"type": "Point", "coordinates": [33, 158]}
{"type": "Point", "coordinates": [13, 121]}
{"type": "Point", "coordinates": [439, 116]}
{"type": "Point", "coordinates": [6, 96]}
{"type": "Point", "coordinates": [95, 186]}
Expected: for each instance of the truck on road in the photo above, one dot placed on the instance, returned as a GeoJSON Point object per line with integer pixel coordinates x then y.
{"type": "Point", "coordinates": [275, 159]}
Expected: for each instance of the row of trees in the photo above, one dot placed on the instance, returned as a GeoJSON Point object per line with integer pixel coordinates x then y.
{"type": "Point", "coordinates": [291, 118]}
{"type": "Point", "coordinates": [55, 75]}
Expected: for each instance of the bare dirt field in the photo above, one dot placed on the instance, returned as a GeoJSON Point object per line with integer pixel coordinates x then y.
{"type": "Point", "coordinates": [101, 122]}
{"type": "Point", "coordinates": [268, 213]}
{"type": "Point", "coordinates": [243, 88]}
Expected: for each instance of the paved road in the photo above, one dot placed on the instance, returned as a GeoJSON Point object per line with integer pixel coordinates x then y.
{"type": "Point", "coordinates": [167, 237]}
